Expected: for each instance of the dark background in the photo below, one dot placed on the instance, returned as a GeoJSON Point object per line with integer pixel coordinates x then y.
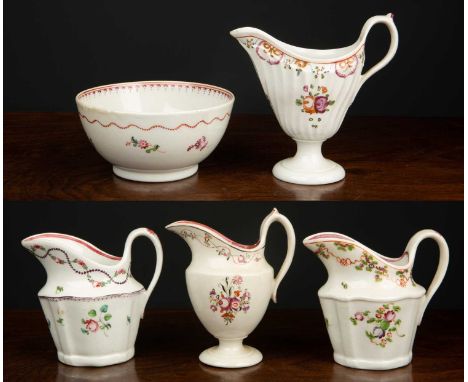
{"type": "Point", "coordinates": [384, 227]}
{"type": "Point", "coordinates": [54, 49]}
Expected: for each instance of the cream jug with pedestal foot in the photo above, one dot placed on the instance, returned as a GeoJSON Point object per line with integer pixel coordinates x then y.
{"type": "Point", "coordinates": [310, 92]}
{"type": "Point", "coordinates": [91, 302]}
{"type": "Point", "coordinates": [372, 305]}
{"type": "Point", "coordinates": [230, 286]}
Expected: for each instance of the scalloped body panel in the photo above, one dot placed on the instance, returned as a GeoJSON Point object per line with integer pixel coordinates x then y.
{"type": "Point", "coordinates": [362, 338]}
{"type": "Point", "coordinates": [96, 331]}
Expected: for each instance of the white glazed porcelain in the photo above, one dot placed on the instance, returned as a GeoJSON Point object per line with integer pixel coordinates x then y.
{"type": "Point", "coordinates": [91, 302]}
{"type": "Point", "coordinates": [230, 286]}
{"type": "Point", "coordinates": [370, 302]}
{"type": "Point", "coordinates": [310, 91]}
{"type": "Point", "coordinates": [155, 131]}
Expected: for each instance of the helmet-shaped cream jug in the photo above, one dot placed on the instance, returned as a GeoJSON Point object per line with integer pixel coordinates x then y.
{"type": "Point", "coordinates": [91, 301]}
{"type": "Point", "coordinates": [371, 304]}
{"type": "Point", "coordinates": [310, 92]}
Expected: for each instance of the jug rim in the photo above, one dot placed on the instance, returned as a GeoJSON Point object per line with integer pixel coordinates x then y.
{"type": "Point", "coordinates": [84, 243]}
{"type": "Point", "coordinates": [291, 50]}
{"type": "Point", "coordinates": [389, 261]}
{"type": "Point", "coordinates": [218, 235]}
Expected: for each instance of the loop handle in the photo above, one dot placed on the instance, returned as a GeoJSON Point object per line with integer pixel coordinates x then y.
{"type": "Point", "coordinates": [275, 216]}
{"type": "Point", "coordinates": [411, 249]}
{"type": "Point", "coordinates": [159, 259]}
{"type": "Point", "coordinates": [388, 21]}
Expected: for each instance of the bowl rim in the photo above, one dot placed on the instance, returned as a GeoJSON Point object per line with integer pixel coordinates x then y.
{"type": "Point", "coordinates": [230, 97]}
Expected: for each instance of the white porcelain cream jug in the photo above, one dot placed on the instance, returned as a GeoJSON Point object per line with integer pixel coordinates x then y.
{"type": "Point", "coordinates": [91, 302]}
{"type": "Point", "coordinates": [230, 286]}
{"type": "Point", "coordinates": [371, 304]}
{"type": "Point", "coordinates": [310, 91]}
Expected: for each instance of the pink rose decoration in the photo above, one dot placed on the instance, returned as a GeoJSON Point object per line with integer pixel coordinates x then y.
{"type": "Point", "coordinates": [305, 88]}
{"type": "Point", "coordinates": [225, 304]}
{"type": "Point", "coordinates": [91, 325]}
{"type": "Point", "coordinates": [320, 104]}
{"type": "Point", "coordinates": [143, 144]}
{"type": "Point", "coordinates": [234, 303]}
{"type": "Point", "coordinates": [237, 280]}
{"type": "Point", "coordinates": [359, 316]}
{"type": "Point", "coordinates": [390, 315]}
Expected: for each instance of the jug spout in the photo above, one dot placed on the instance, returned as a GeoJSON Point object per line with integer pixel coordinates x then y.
{"type": "Point", "coordinates": [199, 237]}
{"type": "Point", "coordinates": [327, 246]}
{"type": "Point", "coordinates": [68, 259]}
{"type": "Point", "coordinates": [56, 248]}
{"type": "Point", "coordinates": [351, 265]}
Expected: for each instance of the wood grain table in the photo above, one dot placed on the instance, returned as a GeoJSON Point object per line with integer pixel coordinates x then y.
{"type": "Point", "coordinates": [294, 344]}
{"type": "Point", "coordinates": [47, 156]}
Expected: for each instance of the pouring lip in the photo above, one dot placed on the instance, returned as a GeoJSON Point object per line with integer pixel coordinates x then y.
{"type": "Point", "coordinates": [288, 49]}
{"type": "Point", "coordinates": [217, 234]}
{"type": "Point", "coordinates": [329, 236]}
{"type": "Point", "coordinates": [75, 239]}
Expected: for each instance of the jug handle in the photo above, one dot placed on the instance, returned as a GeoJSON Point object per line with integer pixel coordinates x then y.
{"type": "Point", "coordinates": [441, 268]}
{"type": "Point", "coordinates": [273, 217]}
{"type": "Point", "coordinates": [150, 234]}
{"type": "Point", "coordinates": [388, 21]}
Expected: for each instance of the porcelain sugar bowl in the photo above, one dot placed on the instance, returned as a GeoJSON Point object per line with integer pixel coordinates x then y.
{"type": "Point", "coordinates": [91, 302]}
{"type": "Point", "coordinates": [371, 304]}
{"type": "Point", "coordinates": [155, 131]}
{"type": "Point", "coordinates": [230, 286]}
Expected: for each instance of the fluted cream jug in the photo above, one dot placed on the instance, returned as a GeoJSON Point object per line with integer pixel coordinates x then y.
{"type": "Point", "coordinates": [310, 92]}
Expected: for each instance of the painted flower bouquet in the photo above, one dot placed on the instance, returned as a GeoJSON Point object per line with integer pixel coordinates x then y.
{"type": "Point", "coordinates": [230, 299]}
{"type": "Point", "coordinates": [384, 323]}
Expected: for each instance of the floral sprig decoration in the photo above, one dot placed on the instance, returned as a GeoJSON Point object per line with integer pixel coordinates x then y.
{"type": "Point", "coordinates": [97, 320]}
{"type": "Point", "coordinates": [200, 144]}
{"type": "Point", "coordinates": [384, 323]}
{"type": "Point", "coordinates": [144, 145]}
{"type": "Point", "coordinates": [230, 299]}
{"type": "Point", "coordinates": [315, 100]}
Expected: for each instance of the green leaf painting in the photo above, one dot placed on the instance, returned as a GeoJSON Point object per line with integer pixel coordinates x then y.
{"type": "Point", "coordinates": [382, 326]}
{"type": "Point", "coordinates": [97, 321]}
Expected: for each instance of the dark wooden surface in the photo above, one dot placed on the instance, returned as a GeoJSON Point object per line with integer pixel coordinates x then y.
{"type": "Point", "coordinates": [294, 344]}
{"type": "Point", "coordinates": [47, 156]}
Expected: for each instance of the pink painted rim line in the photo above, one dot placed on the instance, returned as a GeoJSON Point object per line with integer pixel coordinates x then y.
{"type": "Point", "coordinates": [357, 49]}
{"type": "Point", "coordinates": [152, 84]}
{"type": "Point", "coordinates": [216, 233]}
{"type": "Point", "coordinates": [74, 239]}
{"type": "Point", "coordinates": [328, 236]}
{"type": "Point", "coordinates": [154, 126]}
{"type": "Point", "coordinates": [315, 238]}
